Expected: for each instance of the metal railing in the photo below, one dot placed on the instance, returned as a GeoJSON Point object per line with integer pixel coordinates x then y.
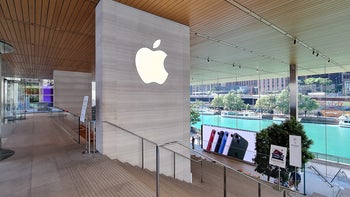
{"type": "Point", "coordinates": [227, 168]}
{"type": "Point", "coordinates": [331, 158]}
{"type": "Point", "coordinates": [229, 173]}
{"type": "Point", "coordinates": [69, 122]}
{"type": "Point", "coordinates": [142, 152]}
{"type": "Point", "coordinates": [321, 176]}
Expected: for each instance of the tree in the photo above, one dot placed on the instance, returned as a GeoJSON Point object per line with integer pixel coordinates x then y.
{"type": "Point", "coordinates": [266, 103]}
{"type": "Point", "coordinates": [194, 114]}
{"type": "Point", "coordinates": [306, 104]}
{"type": "Point", "coordinates": [233, 101]}
{"type": "Point", "coordinates": [282, 102]}
{"type": "Point", "coordinates": [218, 101]}
{"type": "Point", "coordinates": [279, 135]}
{"type": "Point", "coordinates": [318, 82]}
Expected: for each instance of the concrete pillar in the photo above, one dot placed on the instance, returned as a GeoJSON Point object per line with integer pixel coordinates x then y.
{"type": "Point", "coordinates": [152, 104]}
{"type": "Point", "coordinates": [293, 91]}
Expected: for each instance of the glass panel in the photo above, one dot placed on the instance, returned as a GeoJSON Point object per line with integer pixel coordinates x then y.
{"type": "Point", "coordinates": [14, 105]}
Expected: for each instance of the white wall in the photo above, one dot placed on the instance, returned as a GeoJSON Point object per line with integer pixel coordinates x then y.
{"type": "Point", "coordinates": [70, 89]}
{"type": "Point", "coordinates": [156, 112]}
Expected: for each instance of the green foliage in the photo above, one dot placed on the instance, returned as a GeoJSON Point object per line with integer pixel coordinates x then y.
{"type": "Point", "coordinates": [283, 101]}
{"type": "Point", "coordinates": [194, 114]}
{"type": "Point", "coordinates": [266, 103]}
{"type": "Point", "coordinates": [279, 135]}
{"type": "Point", "coordinates": [306, 103]}
{"type": "Point", "coordinates": [198, 104]}
{"type": "Point", "coordinates": [233, 101]}
{"type": "Point", "coordinates": [218, 101]}
{"type": "Point", "coordinates": [318, 81]}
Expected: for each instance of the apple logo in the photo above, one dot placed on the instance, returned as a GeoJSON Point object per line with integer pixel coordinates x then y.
{"type": "Point", "coordinates": [150, 64]}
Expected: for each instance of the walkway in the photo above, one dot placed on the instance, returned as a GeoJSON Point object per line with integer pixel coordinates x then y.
{"type": "Point", "coordinates": [49, 163]}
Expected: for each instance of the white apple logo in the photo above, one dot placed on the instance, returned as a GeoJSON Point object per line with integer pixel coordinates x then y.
{"type": "Point", "coordinates": [150, 64]}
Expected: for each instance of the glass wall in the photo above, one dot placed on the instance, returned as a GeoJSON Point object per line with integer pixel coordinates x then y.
{"type": "Point", "coordinates": [23, 96]}
{"type": "Point", "coordinates": [15, 99]}
{"type": "Point", "coordinates": [323, 110]}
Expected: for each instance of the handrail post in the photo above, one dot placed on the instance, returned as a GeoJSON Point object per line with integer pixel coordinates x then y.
{"type": "Point", "coordinates": [157, 171]}
{"type": "Point", "coordinates": [224, 181]}
{"type": "Point", "coordinates": [79, 130]}
{"type": "Point", "coordinates": [94, 136]}
{"type": "Point", "coordinates": [259, 190]}
{"type": "Point", "coordinates": [174, 166]}
{"type": "Point", "coordinates": [142, 155]}
{"type": "Point", "coordinates": [304, 179]}
{"type": "Point", "coordinates": [89, 137]}
{"type": "Point", "coordinates": [86, 140]}
{"type": "Point", "coordinates": [201, 170]}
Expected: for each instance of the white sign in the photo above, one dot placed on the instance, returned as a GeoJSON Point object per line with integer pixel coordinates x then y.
{"type": "Point", "coordinates": [278, 156]}
{"type": "Point", "coordinates": [83, 108]}
{"type": "Point", "coordinates": [295, 150]}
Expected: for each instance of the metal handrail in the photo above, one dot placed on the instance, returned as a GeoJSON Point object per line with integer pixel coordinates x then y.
{"type": "Point", "coordinates": [321, 176]}
{"type": "Point", "coordinates": [134, 134]}
{"type": "Point", "coordinates": [322, 156]}
{"type": "Point", "coordinates": [63, 110]}
{"type": "Point", "coordinates": [189, 158]}
{"type": "Point", "coordinates": [201, 154]}
{"type": "Point", "coordinates": [229, 167]}
{"type": "Point", "coordinates": [75, 116]}
{"type": "Point", "coordinates": [157, 153]}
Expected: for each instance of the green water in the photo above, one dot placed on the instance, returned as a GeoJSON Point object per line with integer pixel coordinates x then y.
{"type": "Point", "coordinates": [328, 139]}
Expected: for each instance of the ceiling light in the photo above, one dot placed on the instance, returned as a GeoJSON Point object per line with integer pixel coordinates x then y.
{"type": "Point", "coordinates": [268, 23]}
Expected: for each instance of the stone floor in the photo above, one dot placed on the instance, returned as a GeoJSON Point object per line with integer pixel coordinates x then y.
{"type": "Point", "coordinates": [47, 162]}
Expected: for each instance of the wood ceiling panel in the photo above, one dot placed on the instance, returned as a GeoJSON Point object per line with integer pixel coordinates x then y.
{"type": "Point", "coordinates": [59, 34]}
{"type": "Point", "coordinates": [62, 20]}
{"type": "Point", "coordinates": [4, 30]}
{"type": "Point", "coordinates": [75, 10]}
{"type": "Point", "coordinates": [7, 9]}
{"type": "Point", "coordinates": [38, 12]}
{"type": "Point", "coordinates": [24, 6]}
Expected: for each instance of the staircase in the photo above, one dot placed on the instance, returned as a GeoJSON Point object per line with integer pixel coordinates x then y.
{"type": "Point", "coordinates": [206, 181]}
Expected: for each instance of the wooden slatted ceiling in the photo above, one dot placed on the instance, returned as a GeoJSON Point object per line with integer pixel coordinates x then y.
{"type": "Point", "coordinates": [48, 35]}
{"type": "Point", "coordinates": [59, 34]}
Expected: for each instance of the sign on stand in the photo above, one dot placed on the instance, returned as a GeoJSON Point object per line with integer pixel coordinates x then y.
{"type": "Point", "coordinates": [278, 156]}
{"type": "Point", "coordinates": [295, 150]}
{"type": "Point", "coordinates": [83, 108]}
